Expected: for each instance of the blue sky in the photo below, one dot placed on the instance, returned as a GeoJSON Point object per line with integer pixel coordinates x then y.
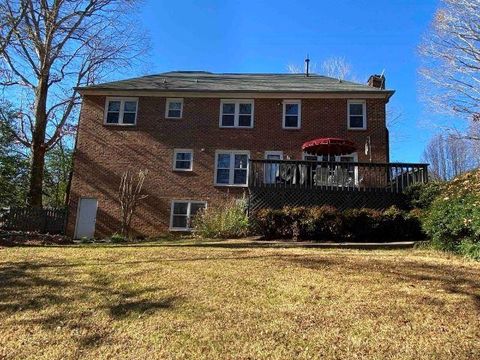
{"type": "Point", "coordinates": [266, 36]}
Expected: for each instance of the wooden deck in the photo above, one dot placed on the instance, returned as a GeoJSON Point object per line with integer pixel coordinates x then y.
{"type": "Point", "coordinates": [278, 183]}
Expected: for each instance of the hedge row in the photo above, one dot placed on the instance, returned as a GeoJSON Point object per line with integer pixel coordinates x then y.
{"type": "Point", "coordinates": [327, 223]}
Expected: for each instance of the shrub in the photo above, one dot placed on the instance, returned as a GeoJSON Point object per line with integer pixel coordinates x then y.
{"type": "Point", "coordinates": [452, 220]}
{"type": "Point", "coordinates": [117, 238]}
{"type": "Point", "coordinates": [226, 221]}
{"type": "Point", "coordinates": [324, 222]}
{"type": "Point", "coordinates": [327, 223]}
{"type": "Point", "coordinates": [470, 249]}
{"type": "Point", "coordinates": [421, 196]}
{"type": "Point", "coordinates": [361, 224]}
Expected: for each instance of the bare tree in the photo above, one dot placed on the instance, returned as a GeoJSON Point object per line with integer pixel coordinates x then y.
{"type": "Point", "coordinates": [449, 156]}
{"type": "Point", "coordinates": [297, 69]}
{"type": "Point", "coordinates": [55, 47]}
{"type": "Point", "coordinates": [129, 195]}
{"type": "Point", "coordinates": [336, 67]}
{"type": "Point", "coordinates": [451, 59]}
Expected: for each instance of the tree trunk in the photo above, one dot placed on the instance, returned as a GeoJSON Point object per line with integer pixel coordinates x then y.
{"type": "Point", "coordinates": [38, 149]}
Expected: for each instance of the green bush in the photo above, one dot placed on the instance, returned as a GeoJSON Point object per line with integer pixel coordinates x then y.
{"type": "Point", "coordinates": [421, 196]}
{"type": "Point", "coordinates": [227, 221]}
{"type": "Point", "coordinates": [470, 249]}
{"type": "Point", "coordinates": [327, 223]}
{"type": "Point", "coordinates": [451, 220]}
{"type": "Point", "coordinates": [117, 238]}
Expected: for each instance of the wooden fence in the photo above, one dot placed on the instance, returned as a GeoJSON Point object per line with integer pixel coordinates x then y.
{"type": "Point", "coordinates": [52, 221]}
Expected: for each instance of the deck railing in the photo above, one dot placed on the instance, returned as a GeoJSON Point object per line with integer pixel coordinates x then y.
{"type": "Point", "coordinates": [342, 176]}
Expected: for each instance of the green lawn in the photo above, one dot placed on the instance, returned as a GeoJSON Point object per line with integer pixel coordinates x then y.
{"type": "Point", "coordinates": [208, 301]}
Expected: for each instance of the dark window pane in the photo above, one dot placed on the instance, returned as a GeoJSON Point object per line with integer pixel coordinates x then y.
{"type": "Point", "coordinates": [184, 156]}
{"type": "Point", "coordinates": [130, 106]}
{"type": "Point", "coordinates": [114, 106]}
{"type": "Point", "coordinates": [223, 161]}
{"type": "Point", "coordinates": [179, 221]}
{"type": "Point", "coordinates": [223, 176]}
{"type": "Point", "coordinates": [129, 118]}
{"type": "Point", "coordinates": [228, 108]}
{"type": "Point", "coordinates": [240, 177]}
{"type": "Point", "coordinates": [291, 121]}
{"type": "Point", "coordinates": [180, 208]}
{"type": "Point", "coordinates": [174, 113]}
{"type": "Point", "coordinates": [245, 108]}
{"type": "Point", "coordinates": [175, 105]}
{"type": "Point", "coordinates": [245, 120]}
{"type": "Point", "coordinates": [356, 121]}
{"type": "Point", "coordinates": [112, 118]}
{"type": "Point", "coordinates": [181, 164]}
{"type": "Point", "coordinates": [291, 109]}
{"type": "Point", "coordinates": [228, 120]}
{"type": "Point", "coordinates": [195, 207]}
{"type": "Point", "coordinates": [356, 109]}
{"type": "Point", "coordinates": [241, 161]}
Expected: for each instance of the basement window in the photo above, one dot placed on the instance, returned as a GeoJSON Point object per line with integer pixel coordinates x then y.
{"type": "Point", "coordinates": [182, 213]}
{"type": "Point", "coordinates": [121, 111]}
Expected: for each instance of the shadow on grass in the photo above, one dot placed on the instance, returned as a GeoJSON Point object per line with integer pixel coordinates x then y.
{"type": "Point", "coordinates": [29, 288]}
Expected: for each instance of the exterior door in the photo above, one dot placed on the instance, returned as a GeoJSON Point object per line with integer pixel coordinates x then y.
{"type": "Point", "coordinates": [271, 170]}
{"type": "Point", "coordinates": [86, 216]}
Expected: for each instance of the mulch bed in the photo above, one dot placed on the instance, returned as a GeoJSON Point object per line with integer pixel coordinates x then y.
{"type": "Point", "coordinates": [16, 238]}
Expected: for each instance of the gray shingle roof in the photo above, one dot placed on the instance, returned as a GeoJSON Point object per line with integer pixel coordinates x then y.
{"type": "Point", "coordinates": [201, 81]}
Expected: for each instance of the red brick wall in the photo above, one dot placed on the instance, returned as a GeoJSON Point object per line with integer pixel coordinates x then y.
{"type": "Point", "coordinates": [104, 152]}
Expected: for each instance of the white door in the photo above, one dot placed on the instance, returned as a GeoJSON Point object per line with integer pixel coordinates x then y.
{"type": "Point", "coordinates": [271, 170]}
{"type": "Point", "coordinates": [86, 216]}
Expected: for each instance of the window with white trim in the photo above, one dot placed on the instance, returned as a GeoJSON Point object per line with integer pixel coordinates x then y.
{"type": "Point", "coordinates": [357, 119]}
{"type": "Point", "coordinates": [292, 114]}
{"type": "Point", "coordinates": [174, 108]}
{"type": "Point", "coordinates": [182, 160]}
{"type": "Point", "coordinates": [236, 113]}
{"type": "Point", "coordinates": [182, 213]}
{"type": "Point", "coordinates": [231, 168]}
{"type": "Point", "coordinates": [121, 111]}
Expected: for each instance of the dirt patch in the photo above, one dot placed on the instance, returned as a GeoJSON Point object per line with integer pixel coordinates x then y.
{"type": "Point", "coordinates": [16, 238]}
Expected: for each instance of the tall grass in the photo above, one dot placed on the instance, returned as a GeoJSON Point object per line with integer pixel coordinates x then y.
{"type": "Point", "coordinates": [226, 221]}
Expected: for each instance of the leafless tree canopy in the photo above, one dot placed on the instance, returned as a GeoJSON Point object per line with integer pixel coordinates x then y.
{"type": "Point", "coordinates": [450, 156]}
{"type": "Point", "coordinates": [48, 48]}
{"type": "Point", "coordinates": [451, 56]}
{"type": "Point", "coordinates": [336, 67]}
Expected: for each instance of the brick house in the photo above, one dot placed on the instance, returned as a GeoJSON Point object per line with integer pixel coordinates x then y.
{"type": "Point", "coordinates": [195, 132]}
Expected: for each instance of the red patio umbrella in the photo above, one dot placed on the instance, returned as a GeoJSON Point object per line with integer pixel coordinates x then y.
{"type": "Point", "coordinates": [329, 146]}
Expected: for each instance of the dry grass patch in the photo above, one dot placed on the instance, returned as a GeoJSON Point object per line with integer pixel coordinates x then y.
{"type": "Point", "coordinates": [233, 301]}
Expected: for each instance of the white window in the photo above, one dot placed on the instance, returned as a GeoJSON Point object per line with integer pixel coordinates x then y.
{"type": "Point", "coordinates": [121, 111]}
{"type": "Point", "coordinates": [236, 113]}
{"type": "Point", "coordinates": [292, 114]}
{"type": "Point", "coordinates": [231, 168]}
{"type": "Point", "coordinates": [182, 213]}
{"type": "Point", "coordinates": [272, 170]}
{"type": "Point", "coordinates": [174, 108]}
{"type": "Point", "coordinates": [357, 119]}
{"type": "Point", "coordinates": [182, 160]}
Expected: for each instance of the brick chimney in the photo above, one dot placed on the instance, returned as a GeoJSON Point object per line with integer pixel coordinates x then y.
{"type": "Point", "coordinates": [377, 81]}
